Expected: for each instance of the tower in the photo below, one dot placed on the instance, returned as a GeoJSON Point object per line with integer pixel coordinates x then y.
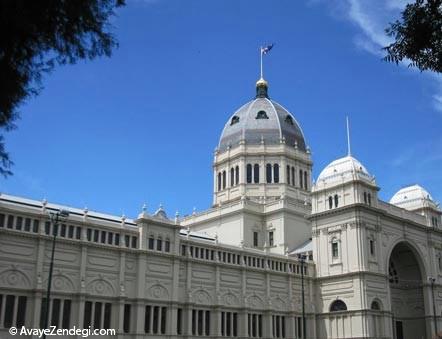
{"type": "Point", "coordinates": [262, 154]}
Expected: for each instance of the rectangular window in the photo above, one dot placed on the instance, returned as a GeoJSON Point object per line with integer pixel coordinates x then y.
{"type": "Point", "coordinates": [151, 243]}
{"type": "Point", "coordinates": [235, 324]}
{"type": "Point", "coordinates": [63, 230]}
{"type": "Point", "coordinates": [47, 227]}
{"type": "Point", "coordinates": [96, 235]}
{"type": "Point", "coordinates": [335, 250]}
{"type": "Point", "coordinates": [372, 248]}
{"type": "Point", "coordinates": [21, 311]}
{"type": "Point", "coordinates": [87, 314]}
{"type": "Point", "coordinates": [194, 322]}
{"type": "Point", "coordinates": [134, 242]}
{"type": "Point", "coordinates": [107, 315]}
{"type": "Point", "coordinates": [179, 321]}
{"type": "Point", "coordinates": [110, 238]}
{"type": "Point", "coordinates": [126, 319]}
{"type": "Point", "coordinates": [183, 250]}
{"type": "Point", "coordinates": [42, 312]}
{"type": "Point", "coordinates": [271, 241]}
{"type": "Point", "coordinates": [167, 246]}
{"type": "Point", "coordinates": [19, 223]}
{"type": "Point", "coordinates": [103, 237]}
{"type": "Point", "coordinates": [10, 221]}
{"type": "Point", "coordinates": [126, 240]}
{"type": "Point", "coordinates": [156, 315]}
{"type": "Point", "coordinates": [9, 311]}
{"type": "Point", "coordinates": [200, 322]}
{"type": "Point", "coordinates": [97, 315]}
{"type": "Point", "coordinates": [55, 312]}
{"type": "Point", "coordinates": [78, 233]}
{"type": "Point", "coordinates": [159, 244]}
{"type": "Point", "coordinates": [28, 224]}
{"type": "Point", "coordinates": [89, 234]}
{"type": "Point", "coordinates": [147, 319]}
{"type": "Point", "coordinates": [35, 226]}
{"type": "Point", "coordinates": [66, 321]}
{"type": "Point", "coordinates": [207, 322]}
{"type": "Point", "coordinates": [255, 239]}
{"type": "Point", "coordinates": [163, 319]}
{"type": "Point", "coordinates": [299, 326]}
{"type": "Point", "coordinates": [71, 232]}
{"type": "Point", "coordinates": [117, 239]}
{"type": "Point", "coordinates": [2, 220]}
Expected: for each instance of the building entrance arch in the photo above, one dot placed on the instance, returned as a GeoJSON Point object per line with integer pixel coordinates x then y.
{"type": "Point", "coordinates": [406, 276]}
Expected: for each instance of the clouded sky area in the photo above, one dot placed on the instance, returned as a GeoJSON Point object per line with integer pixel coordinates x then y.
{"type": "Point", "coordinates": [141, 126]}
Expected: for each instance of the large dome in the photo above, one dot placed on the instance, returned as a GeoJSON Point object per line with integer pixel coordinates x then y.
{"type": "Point", "coordinates": [259, 120]}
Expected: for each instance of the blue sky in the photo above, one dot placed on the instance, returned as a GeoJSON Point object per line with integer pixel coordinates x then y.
{"type": "Point", "coordinates": [142, 126]}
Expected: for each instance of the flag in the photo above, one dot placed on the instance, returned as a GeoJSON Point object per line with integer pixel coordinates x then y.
{"type": "Point", "coordinates": [265, 50]}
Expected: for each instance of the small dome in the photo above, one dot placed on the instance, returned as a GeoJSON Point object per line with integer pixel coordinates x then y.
{"type": "Point", "coordinates": [343, 168]}
{"type": "Point", "coordinates": [413, 197]}
{"type": "Point", "coordinates": [262, 120]}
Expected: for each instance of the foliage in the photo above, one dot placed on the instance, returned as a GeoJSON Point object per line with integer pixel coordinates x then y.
{"type": "Point", "coordinates": [37, 35]}
{"type": "Point", "coordinates": [418, 37]}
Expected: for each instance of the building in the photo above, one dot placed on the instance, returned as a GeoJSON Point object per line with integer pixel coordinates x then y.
{"type": "Point", "coordinates": [272, 239]}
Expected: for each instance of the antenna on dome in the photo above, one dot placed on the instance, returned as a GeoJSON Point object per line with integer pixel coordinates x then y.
{"type": "Point", "coordinates": [348, 138]}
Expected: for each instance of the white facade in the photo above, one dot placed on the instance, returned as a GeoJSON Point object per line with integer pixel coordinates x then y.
{"type": "Point", "coordinates": [233, 270]}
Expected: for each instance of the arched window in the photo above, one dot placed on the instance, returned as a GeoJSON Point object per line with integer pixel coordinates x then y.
{"type": "Point", "coordinates": [300, 179]}
{"type": "Point", "coordinates": [338, 305]}
{"type": "Point", "coordinates": [289, 120]}
{"type": "Point", "coordinates": [219, 181]}
{"type": "Point", "coordinates": [369, 198]}
{"type": "Point", "coordinates": [269, 173]}
{"type": "Point", "coordinates": [235, 119]}
{"type": "Point", "coordinates": [256, 173]}
{"type": "Point", "coordinates": [275, 173]}
{"type": "Point", "coordinates": [375, 305]}
{"type": "Point", "coordinates": [232, 177]}
{"type": "Point", "coordinates": [305, 180]}
{"type": "Point", "coordinates": [224, 179]}
{"type": "Point", "coordinates": [236, 175]}
{"type": "Point", "coordinates": [330, 202]}
{"type": "Point", "coordinates": [293, 176]}
{"type": "Point", "coordinates": [261, 115]}
{"type": "Point", "coordinates": [249, 173]}
{"type": "Point", "coordinates": [288, 175]}
{"type": "Point", "coordinates": [336, 200]}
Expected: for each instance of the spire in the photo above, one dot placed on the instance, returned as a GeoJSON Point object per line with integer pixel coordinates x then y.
{"type": "Point", "coordinates": [348, 139]}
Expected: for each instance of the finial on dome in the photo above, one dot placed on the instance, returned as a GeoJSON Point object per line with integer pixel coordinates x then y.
{"type": "Point", "coordinates": [262, 87]}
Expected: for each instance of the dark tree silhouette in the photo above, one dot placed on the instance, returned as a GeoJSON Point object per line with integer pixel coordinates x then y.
{"type": "Point", "coordinates": [37, 35]}
{"type": "Point", "coordinates": [418, 37]}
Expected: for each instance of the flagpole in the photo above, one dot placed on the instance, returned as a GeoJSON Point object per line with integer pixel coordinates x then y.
{"type": "Point", "coordinates": [348, 138]}
{"type": "Point", "coordinates": [260, 53]}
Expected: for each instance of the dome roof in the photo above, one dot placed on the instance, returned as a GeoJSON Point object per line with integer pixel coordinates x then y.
{"type": "Point", "coordinates": [413, 197]}
{"type": "Point", "coordinates": [342, 168]}
{"type": "Point", "coordinates": [259, 120]}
